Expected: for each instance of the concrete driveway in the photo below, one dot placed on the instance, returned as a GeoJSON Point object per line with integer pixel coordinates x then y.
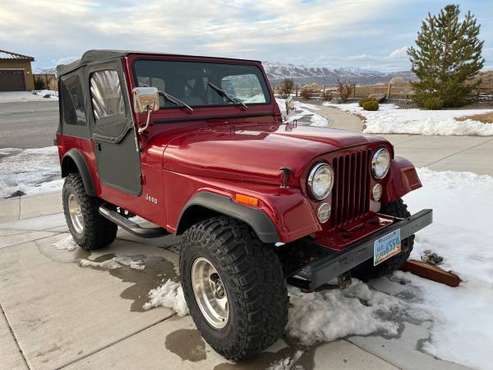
{"type": "Point", "coordinates": [56, 314]}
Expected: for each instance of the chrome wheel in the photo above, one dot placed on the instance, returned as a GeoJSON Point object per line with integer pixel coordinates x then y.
{"type": "Point", "coordinates": [209, 292]}
{"type": "Point", "coordinates": [75, 212]}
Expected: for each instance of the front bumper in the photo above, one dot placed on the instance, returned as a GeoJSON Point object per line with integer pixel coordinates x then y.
{"type": "Point", "coordinates": [333, 264]}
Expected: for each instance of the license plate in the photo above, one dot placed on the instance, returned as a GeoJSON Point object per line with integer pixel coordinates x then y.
{"type": "Point", "coordinates": [386, 247]}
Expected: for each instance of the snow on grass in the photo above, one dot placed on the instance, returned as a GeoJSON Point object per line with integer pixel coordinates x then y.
{"type": "Point", "coordinates": [390, 119]}
{"type": "Point", "coordinates": [29, 171]}
{"type": "Point", "coordinates": [169, 295]}
{"type": "Point", "coordinates": [26, 96]}
{"type": "Point", "coordinates": [303, 113]}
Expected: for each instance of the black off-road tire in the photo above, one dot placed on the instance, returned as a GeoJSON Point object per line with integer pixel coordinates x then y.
{"type": "Point", "coordinates": [97, 231]}
{"type": "Point", "coordinates": [366, 271]}
{"type": "Point", "coordinates": [254, 282]}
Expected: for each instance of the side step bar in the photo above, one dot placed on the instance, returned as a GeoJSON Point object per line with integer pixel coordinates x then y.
{"type": "Point", "coordinates": [132, 227]}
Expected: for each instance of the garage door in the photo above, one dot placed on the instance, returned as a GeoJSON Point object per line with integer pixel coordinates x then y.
{"type": "Point", "coordinates": [12, 80]}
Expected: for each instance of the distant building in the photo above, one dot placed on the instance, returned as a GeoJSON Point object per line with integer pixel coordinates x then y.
{"type": "Point", "coordinates": [15, 72]}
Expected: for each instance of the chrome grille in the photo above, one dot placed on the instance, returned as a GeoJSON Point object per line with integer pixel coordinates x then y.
{"type": "Point", "coordinates": [351, 194]}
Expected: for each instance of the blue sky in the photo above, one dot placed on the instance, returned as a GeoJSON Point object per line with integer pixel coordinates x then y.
{"type": "Point", "coordinates": [372, 34]}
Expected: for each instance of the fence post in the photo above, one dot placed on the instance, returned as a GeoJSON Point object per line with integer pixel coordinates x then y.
{"type": "Point", "coordinates": [389, 90]}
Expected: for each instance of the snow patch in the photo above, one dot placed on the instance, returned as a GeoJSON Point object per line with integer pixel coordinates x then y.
{"type": "Point", "coordinates": [390, 119]}
{"type": "Point", "coordinates": [29, 171]}
{"type": "Point", "coordinates": [328, 315]}
{"type": "Point", "coordinates": [303, 113]}
{"type": "Point", "coordinates": [135, 264]}
{"type": "Point", "coordinates": [114, 263]}
{"type": "Point", "coordinates": [66, 244]}
{"type": "Point", "coordinates": [169, 295]}
{"type": "Point", "coordinates": [462, 234]}
{"type": "Point", "coordinates": [47, 94]}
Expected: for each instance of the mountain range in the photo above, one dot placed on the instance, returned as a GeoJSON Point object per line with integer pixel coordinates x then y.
{"type": "Point", "coordinates": [276, 72]}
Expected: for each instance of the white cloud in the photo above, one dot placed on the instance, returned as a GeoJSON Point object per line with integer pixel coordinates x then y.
{"type": "Point", "coordinates": [399, 53]}
{"type": "Point", "coordinates": [54, 29]}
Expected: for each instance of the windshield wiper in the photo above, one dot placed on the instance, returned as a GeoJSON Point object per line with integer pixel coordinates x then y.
{"type": "Point", "coordinates": [224, 94]}
{"type": "Point", "coordinates": [175, 100]}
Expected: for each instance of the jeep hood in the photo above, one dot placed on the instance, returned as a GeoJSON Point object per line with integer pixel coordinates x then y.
{"type": "Point", "coordinates": [254, 153]}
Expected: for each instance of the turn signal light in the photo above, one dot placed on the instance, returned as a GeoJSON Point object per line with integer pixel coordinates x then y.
{"type": "Point", "coordinates": [246, 200]}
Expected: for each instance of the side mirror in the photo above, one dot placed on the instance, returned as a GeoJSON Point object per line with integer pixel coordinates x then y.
{"type": "Point", "coordinates": [146, 100]}
{"type": "Point", "coordinates": [289, 105]}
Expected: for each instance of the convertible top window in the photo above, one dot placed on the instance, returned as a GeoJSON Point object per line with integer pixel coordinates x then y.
{"type": "Point", "coordinates": [194, 82]}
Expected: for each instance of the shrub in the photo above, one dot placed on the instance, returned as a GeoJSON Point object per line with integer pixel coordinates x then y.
{"type": "Point", "coordinates": [327, 95]}
{"type": "Point", "coordinates": [364, 100]}
{"type": "Point", "coordinates": [39, 84]}
{"type": "Point", "coordinates": [306, 93]}
{"type": "Point", "coordinates": [370, 105]}
{"type": "Point", "coordinates": [286, 87]}
{"type": "Point", "coordinates": [344, 89]}
{"type": "Point", "coordinates": [432, 103]}
{"type": "Point", "coordinates": [309, 91]}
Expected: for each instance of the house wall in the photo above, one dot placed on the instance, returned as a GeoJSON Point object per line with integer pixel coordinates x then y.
{"type": "Point", "coordinates": [20, 64]}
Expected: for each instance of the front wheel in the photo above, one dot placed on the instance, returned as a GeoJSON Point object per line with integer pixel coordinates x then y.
{"type": "Point", "coordinates": [234, 287]}
{"type": "Point", "coordinates": [366, 270]}
{"type": "Point", "coordinates": [89, 229]}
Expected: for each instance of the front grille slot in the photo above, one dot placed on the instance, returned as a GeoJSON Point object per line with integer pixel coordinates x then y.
{"type": "Point", "coordinates": [351, 194]}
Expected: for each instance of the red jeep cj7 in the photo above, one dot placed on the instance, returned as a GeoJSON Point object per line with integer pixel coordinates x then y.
{"type": "Point", "coordinates": [198, 147]}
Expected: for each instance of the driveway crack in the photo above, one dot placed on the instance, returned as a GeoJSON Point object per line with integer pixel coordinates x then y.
{"type": "Point", "coordinates": [115, 342]}
{"type": "Point", "coordinates": [14, 337]}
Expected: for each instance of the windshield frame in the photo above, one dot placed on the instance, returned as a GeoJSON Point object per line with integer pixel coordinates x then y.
{"type": "Point", "coordinates": [209, 60]}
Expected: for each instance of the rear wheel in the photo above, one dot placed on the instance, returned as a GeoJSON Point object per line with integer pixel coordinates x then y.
{"type": "Point", "coordinates": [234, 287]}
{"type": "Point", "coordinates": [89, 229]}
{"type": "Point", "coordinates": [366, 270]}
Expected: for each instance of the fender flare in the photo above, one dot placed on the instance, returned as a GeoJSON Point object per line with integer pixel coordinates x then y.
{"type": "Point", "coordinates": [258, 220]}
{"type": "Point", "coordinates": [402, 179]}
{"type": "Point", "coordinates": [82, 168]}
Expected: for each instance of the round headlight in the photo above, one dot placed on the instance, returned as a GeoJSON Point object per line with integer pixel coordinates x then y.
{"type": "Point", "coordinates": [380, 163]}
{"type": "Point", "coordinates": [320, 181]}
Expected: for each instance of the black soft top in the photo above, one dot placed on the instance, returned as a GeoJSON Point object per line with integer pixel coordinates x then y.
{"type": "Point", "coordinates": [92, 56]}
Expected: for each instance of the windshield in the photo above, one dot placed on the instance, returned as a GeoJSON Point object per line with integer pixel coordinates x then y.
{"type": "Point", "coordinates": [199, 84]}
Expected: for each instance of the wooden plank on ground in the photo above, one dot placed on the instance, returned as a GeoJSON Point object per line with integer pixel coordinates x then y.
{"type": "Point", "coordinates": [431, 272]}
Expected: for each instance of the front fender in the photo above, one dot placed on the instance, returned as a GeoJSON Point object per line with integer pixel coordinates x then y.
{"type": "Point", "coordinates": [255, 218]}
{"type": "Point", "coordinates": [402, 179]}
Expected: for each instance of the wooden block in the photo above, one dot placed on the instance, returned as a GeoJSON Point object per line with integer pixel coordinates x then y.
{"type": "Point", "coordinates": [435, 273]}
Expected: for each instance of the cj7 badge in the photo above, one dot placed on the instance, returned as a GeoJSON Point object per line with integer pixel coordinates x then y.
{"type": "Point", "coordinates": [386, 247]}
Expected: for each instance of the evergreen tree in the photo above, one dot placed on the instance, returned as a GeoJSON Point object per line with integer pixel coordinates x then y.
{"type": "Point", "coordinates": [446, 59]}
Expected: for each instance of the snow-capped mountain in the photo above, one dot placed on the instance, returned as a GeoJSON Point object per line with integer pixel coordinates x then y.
{"type": "Point", "coordinates": [327, 76]}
